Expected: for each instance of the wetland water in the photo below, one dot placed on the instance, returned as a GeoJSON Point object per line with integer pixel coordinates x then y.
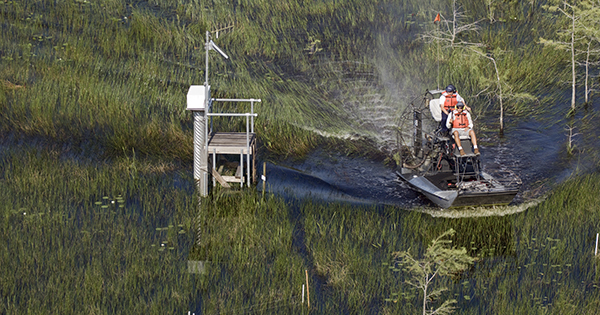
{"type": "Point", "coordinates": [532, 148]}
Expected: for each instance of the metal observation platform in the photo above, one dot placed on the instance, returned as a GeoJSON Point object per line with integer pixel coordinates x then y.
{"type": "Point", "coordinates": [210, 145]}
{"type": "Point", "coordinates": [213, 145]}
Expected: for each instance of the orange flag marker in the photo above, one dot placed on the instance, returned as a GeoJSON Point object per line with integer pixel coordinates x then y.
{"type": "Point", "coordinates": [437, 18]}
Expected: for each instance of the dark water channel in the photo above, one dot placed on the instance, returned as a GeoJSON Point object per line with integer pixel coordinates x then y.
{"type": "Point", "coordinates": [534, 149]}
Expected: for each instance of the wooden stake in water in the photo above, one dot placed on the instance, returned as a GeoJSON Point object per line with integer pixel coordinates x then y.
{"type": "Point", "coordinates": [264, 179]}
{"type": "Point", "coordinates": [307, 291]}
{"type": "Point", "coordinates": [596, 251]}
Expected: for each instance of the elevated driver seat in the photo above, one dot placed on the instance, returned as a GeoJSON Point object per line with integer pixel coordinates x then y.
{"type": "Point", "coordinates": [467, 147]}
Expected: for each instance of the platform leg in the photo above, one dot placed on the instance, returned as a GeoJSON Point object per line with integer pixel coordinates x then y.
{"type": "Point", "coordinates": [248, 167]}
{"type": "Point", "coordinates": [242, 168]}
{"type": "Point", "coordinates": [214, 163]}
{"type": "Point", "coordinates": [253, 166]}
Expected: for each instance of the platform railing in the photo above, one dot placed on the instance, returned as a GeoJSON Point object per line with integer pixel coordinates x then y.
{"type": "Point", "coordinates": [250, 100]}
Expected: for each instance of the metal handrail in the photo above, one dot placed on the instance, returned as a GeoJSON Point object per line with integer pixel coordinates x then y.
{"type": "Point", "coordinates": [237, 99]}
{"type": "Point", "coordinates": [247, 115]}
{"type": "Point", "coordinates": [231, 114]}
{"type": "Point", "coordinates": [251, 100]}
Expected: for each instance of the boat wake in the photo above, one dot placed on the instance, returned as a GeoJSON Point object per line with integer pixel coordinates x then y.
{"type": "Point", "coordinates": [477, 212]}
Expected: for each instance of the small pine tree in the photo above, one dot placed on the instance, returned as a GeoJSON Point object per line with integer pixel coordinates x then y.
{"type": "Point", "coordinates": [441, 260]}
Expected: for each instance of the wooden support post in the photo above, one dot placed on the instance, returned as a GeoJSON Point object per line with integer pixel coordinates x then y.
{"type": "Point", "coordinates": [248, 166]}
{"type": "Point", "coordinates": [220, 179]}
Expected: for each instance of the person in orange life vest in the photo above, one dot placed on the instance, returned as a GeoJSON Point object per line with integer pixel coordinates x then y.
{"type": "Point", "coordinates": [462, 126]}
{"type": "Point", "coordinates": [448, 102]}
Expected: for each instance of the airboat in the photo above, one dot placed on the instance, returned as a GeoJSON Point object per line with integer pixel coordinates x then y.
{"type": "Point", "coordinates": [430, 163]}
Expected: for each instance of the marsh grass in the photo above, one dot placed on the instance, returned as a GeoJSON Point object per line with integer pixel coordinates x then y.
{"type": "Point", "coordinates": [100, 117]}
{"type": "Point", "coordinates": [118, 237]}
{"type": "Point", "coordinates": [246, 243]}
{"type": "Point", "coordinates": [86, 239]}
{"type": "Point", "coordinates": [113, 71]}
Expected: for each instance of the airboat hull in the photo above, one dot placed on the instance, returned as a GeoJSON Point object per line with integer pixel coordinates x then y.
{"type": "Point", "coordinates": [442, 198]}
{"type": "Point", "coordinates": [484, 192]}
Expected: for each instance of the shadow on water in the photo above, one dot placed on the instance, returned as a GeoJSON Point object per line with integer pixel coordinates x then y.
{"type": "Point", "coordinates": [336, 178]}
{"type": "Point", "coordinates": [317, 282]}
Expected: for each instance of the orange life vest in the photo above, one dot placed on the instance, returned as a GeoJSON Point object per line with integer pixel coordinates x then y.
{"type": "Point", "coordinates": [460, 120]}
{"type": "Point", "coordinates": [450, 102]}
